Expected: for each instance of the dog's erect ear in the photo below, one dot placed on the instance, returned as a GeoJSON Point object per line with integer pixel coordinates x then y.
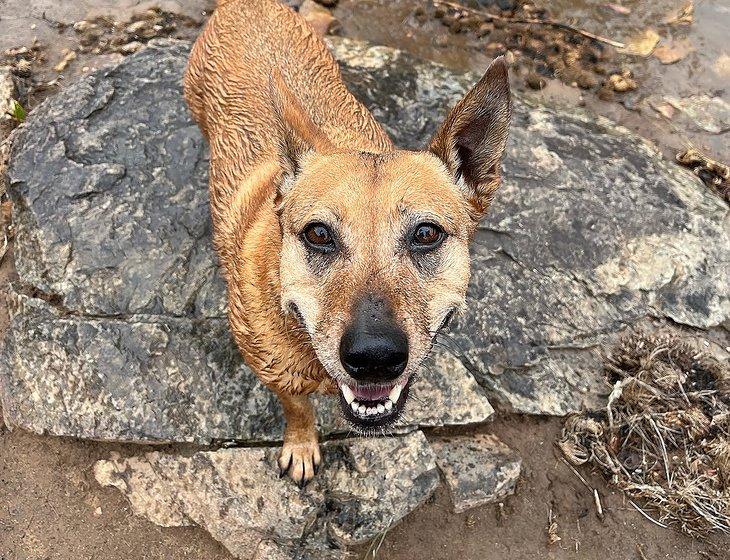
{"type": "Point", "coordinates": [296, 135]}
{"type": "Point", "coordinates": [472, 138]}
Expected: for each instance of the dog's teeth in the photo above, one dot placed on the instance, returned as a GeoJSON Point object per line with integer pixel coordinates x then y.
{"type": "Point", "coordinates": [381, 408]}
{"type": "Point", "coordinates": [372, 411]}
{"type": "Point", "coordinates": [388, 405]}
{"type": "Point", "coordinates": [348, 394]}
{"type": "Point", "coordinates": [354, 406]}
{"type": "Point", "coordinates": [395, 393]}
{"type": "Point", "coordinates": [362, 410]}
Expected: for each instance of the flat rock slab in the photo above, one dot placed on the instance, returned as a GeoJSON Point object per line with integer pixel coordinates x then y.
{"type": "Point", "coordinates": [124, 312]}
{"type": "Point", "coordinates": [364, 487]}
{"type": "Point", "coordinates": [478, 469]}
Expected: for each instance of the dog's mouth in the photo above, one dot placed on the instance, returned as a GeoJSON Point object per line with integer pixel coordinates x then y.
{"type": "Point", "coordinates": [373, 406]}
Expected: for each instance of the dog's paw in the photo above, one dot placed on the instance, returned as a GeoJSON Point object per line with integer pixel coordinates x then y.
{"type": "Point", "coordinates": [300, 460]}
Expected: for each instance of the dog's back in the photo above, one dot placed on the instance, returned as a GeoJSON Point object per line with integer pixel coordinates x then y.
{"type": "Point", "coordinates": [227, 86]}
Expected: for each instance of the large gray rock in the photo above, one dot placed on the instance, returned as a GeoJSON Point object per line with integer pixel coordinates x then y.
{"type": "Point", "coordinates": [365, 486]}
{"type": "Point", "coordinates": [125, 312]}
{"type": "Point", "coordinates": [125, 307]}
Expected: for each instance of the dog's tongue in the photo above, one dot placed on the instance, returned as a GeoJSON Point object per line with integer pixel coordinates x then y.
{"type": "Point", "coordinates": [372, 392]}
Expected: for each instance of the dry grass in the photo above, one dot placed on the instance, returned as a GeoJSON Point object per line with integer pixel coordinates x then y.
{"type": "Point", "coordinates": [664, 436]}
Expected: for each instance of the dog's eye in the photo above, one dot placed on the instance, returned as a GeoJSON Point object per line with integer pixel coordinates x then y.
{"type": "Point", "coordinates": [427, 237]}
{"type": "Point", "coordinates": [318, 237]}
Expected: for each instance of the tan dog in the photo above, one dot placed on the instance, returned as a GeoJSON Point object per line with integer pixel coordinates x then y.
{"type": "Point", "coordinates": [343, 255]}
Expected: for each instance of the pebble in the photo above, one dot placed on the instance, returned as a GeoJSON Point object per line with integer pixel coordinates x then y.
{"type": "Point", "coordinates": [131, 47]}
{"type": "Point", "coordinates": [621, 82]}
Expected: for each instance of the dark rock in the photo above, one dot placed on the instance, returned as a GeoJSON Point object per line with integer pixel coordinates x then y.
{"type": "Point", "coordinates": [591, 231]}
{"type": "Point", "coordinates": [237, 495]}
{"type": "Point", "coordinates": [478, 469]}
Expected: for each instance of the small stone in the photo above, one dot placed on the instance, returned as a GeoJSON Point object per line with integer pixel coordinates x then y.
{"type": "Point", "coordinates": [82, 26]}
{"type": "Point", "coordinates": [136, 27]}
{"type": "Point", "coordinates": [621, 82]}
{"type": "Point", "coordinates": [441, 41]}
{"type": "Point", "coordinates": [131, 47]}
{"type": "Point", "coordinates": [478, 469]}
{"type": "Point", "coordinates": [535, 80]}
{"type": "Point", "coordinates": [22, 68]}
{"type": "Point", "coordinates": [65, 61]}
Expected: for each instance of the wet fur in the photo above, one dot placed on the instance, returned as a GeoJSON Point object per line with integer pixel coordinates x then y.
{"type": "Point", "coordinates": [276, 166]}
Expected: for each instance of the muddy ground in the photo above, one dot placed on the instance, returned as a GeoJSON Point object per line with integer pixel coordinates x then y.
{"type": "Point", "coordinates": [50, 505]}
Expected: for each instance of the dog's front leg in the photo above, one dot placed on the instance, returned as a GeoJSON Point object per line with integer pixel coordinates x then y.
{"type": "Point", "coordinates": [300, 456]}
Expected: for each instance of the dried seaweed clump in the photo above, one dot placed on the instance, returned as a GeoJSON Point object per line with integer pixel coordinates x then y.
{"type": "Point", "coordinates": [664, 437]}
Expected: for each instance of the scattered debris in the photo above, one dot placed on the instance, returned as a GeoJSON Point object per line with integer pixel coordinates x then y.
{"type": "Point", "coordinates": [532, 21]}
{"type": "Point", "coordinates": [664, 437]}
{"type": "Point", "coordinates": [714, 174]}
{"type": "Point", "coordinates": [552, 529]}
{"type": "Point", "coordinates": [542, 47]}
{"type": "Point", "coordinates": [103, 35]}
{"type": "Point", "coordinates": [68, 56]}
{"type": "Point", "coordinates": [676, 51]}
{"type": "Point", "coordinates": [622, 82]}
{"type": "Point", "coordinates": [642, 44]}
{"type": "Point", "coordinates": [681, 16]}
{"type": "Point", "coordinates": [594, 491]}
{"type": "Point", "coordinates": [23, 62]}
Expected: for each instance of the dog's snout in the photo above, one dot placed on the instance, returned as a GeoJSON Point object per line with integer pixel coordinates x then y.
{"type": "Point", "coordinates": [374, 348]}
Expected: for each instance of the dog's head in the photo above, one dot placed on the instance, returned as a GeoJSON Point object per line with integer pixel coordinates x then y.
{"type": "Point", "coordinates": [375, 257]}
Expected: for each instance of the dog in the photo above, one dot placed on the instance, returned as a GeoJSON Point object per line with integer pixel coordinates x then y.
{"type": "Point", "coordinates": [343, 255]}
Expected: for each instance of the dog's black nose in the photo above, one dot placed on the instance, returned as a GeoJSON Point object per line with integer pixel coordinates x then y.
{"type": "Point", "coordinates": [374, 348]}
